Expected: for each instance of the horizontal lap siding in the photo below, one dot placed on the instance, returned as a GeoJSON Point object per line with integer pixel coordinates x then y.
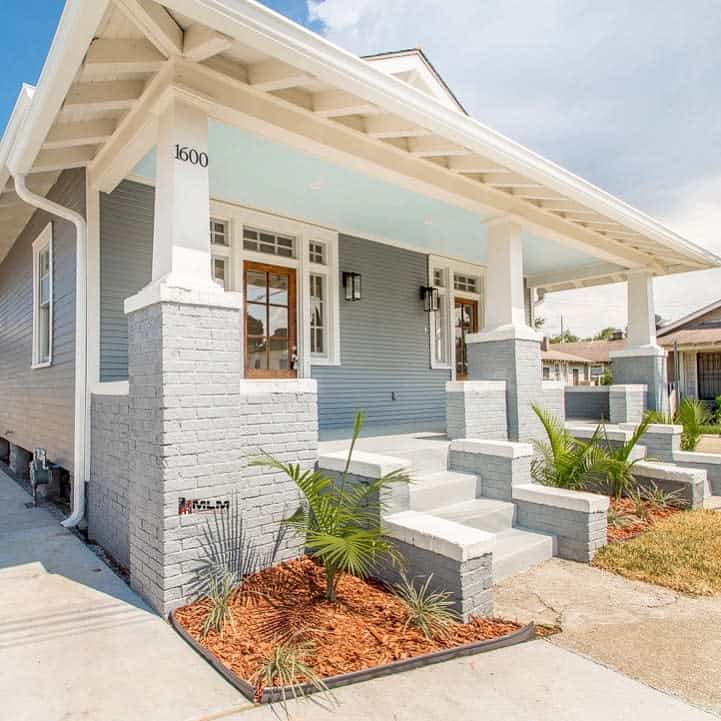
{"type": "Point", "coordinates": [384, 345]}
{"type": "Point", "coordinates": [37, 407]}
{"type": "Point", "coordinates": [126, 258]}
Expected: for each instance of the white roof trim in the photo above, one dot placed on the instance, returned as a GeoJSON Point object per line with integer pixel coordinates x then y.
{"type": "Point", "coordinates": [675, 325]}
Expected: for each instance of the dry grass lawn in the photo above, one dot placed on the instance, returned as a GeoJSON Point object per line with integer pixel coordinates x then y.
{"type": "Point", "coordinates": [682, 552]}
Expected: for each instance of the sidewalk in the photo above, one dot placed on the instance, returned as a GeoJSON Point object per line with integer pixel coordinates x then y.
{"type": "Point", "coordinates": [76, 644]}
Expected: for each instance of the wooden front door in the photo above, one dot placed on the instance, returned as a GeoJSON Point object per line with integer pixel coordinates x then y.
{"type": "Point", "coordinates": [270, 321]}
{"type": "Point", "coordinates": [466, 321]}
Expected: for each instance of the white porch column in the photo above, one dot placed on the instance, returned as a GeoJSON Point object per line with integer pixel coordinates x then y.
{"type": "Point", "coordinates": [504, 300]}
{"type": "Point", "coordinates": [508, 349]}
{"type": "Point", "coordinates": [643, 361]}
{"type": "Point", "coordinates": [181, 239]}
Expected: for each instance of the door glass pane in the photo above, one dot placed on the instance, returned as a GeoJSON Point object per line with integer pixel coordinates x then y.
{"type": "Point", "coordinates": [256, 319]}
{"type": "Point", "coordinates": [278, 321]}
{"type": "Point", "coordinates": [257, 353]}
{"type": "Point", "coordinates": [279, 354]}
{"type": "Point", "coordinates": [256, 286]}
{"type": "Point", "coordinates": [278, 289]}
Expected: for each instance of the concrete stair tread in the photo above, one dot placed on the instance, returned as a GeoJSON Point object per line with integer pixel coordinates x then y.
{"type": "Point", "coordinates": [438, 478]}
{"type": "Point", "coordinates": [440, 488]}
{"type": "Point", "coordinates": [485, 514]}
{"type": "Point", "coordinates": [517, 549]}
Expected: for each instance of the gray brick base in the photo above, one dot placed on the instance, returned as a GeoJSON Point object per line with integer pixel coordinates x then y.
{"type": "Point", "coordinates": [627, 403]}
{"type": "Point", "coordinates": [518, 363]}
{"type": "Point", "coordinates": [648, 370]}
{"type": "Point", "coordinates": [470, 581]}
{"type": "Point", "coordinates": [107, 496]}
{"type": "Point", "coordinates": [476, 409]}
{"type": "Point", "coordinates": [194, 426]}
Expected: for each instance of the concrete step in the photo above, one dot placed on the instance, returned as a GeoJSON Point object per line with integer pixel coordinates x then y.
{"type": "Point", "coordinates": [441, 488]}
{"type": "Point", "coordinates": [427, 460]}
{"type": "Point", "coordinates": [517, 549]}
{"type": "Point", "coordinates": [485, 514]}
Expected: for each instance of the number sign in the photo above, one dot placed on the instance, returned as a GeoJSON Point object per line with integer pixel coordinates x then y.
{"type": "Point", "coordinates": [191, 155]}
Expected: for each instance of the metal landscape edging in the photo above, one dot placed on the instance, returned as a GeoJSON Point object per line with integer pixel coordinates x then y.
{"type": "Point", "coordinates": [276, 694]}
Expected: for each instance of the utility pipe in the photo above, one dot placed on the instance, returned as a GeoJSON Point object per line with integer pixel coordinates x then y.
{"type": "Point", "coordinates": [81, 340]}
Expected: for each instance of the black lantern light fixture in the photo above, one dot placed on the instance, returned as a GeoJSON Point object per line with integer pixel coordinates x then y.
{"type": "Point", "coordinates": [352, 285]}
{"type": "Point", "coordinates": [429, 296]}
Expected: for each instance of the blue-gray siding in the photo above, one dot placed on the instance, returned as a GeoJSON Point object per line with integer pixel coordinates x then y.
{"type": "Point", "coordinates": [384, 345]}
{"type": "Point", "coordinates": [384, 337]}
{"type": "Point", "coordinates": [37, 407]}
{"type": "Point", "coordinates": [126, 260]}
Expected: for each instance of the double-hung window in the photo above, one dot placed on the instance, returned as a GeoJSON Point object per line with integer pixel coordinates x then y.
{"type": "Point", "coordinates": [43, 299]}
{"type": "Point", "coordinates": [319, 326]}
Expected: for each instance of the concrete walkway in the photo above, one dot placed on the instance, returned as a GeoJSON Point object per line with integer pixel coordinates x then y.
{"type": "Point", "coordinates": [76, 644]}
{"type": "Point", "coordinates": [665, 639]}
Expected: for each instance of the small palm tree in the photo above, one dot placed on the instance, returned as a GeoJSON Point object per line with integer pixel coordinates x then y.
{"type": "Point", "coordinates": [339, 521]}
{"type": "Point", "coordinates": [565, 461]}
{"type": "Point", "coordinates": [692, 415]}
{"type": "Point", "coordinates": [617, 468]}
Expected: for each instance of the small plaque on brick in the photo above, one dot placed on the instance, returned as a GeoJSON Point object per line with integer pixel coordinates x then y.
{"type": "Point", "coordinates": [201, 505]}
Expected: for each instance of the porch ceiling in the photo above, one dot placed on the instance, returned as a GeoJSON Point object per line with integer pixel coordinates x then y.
{"type": "Point", "coordinates": [111, 62]}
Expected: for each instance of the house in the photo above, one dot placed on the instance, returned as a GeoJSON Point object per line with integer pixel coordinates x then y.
{"type": "Point", "coordinates": [565, 367]}
{"type": "Point", "coordinates": [597, 353]}
{"type": "Point", "coordinates": [697, 339]}
{"type": "Point", "coordinates": [220, 232]}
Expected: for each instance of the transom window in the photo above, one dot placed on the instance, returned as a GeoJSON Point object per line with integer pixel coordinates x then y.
{"type": "Point", "coordinates": [438, 279]}
{"type": "Point", "coordinates": [220, 272]}
{"type": "Point", "coordinates": [465, 283]}
{"type": "Point", "coordinates": [43, 298]}
{"type": "Point", "coordinates": [262, 241]}
{"type": "Point", "coordinates": [219, 232]}
{"type": "Point", "coordinates": [316, 252]}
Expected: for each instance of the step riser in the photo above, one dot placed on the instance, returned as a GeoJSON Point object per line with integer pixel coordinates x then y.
{"type": "Point", "coordinates": [509, 565]}
{"type": "Point", "coordinates": [427, 499]}
{"type": "Point", "coordinates": [427, 461]}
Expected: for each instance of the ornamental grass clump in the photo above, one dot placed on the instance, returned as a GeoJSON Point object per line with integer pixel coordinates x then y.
{"type": "Point", "coordinates": [339, 520]}
{"type": "Point", "coordinates": [429, 611]}
{"type": "Point", "coordinates": [220, 594]}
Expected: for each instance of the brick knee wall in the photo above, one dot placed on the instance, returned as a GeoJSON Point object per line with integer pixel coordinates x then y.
{"type": "Point", "coordinates": [470, 582]}
{"type": "Point", "coordinates": [107, 502]}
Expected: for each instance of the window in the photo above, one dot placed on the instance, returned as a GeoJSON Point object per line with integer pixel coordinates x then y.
{"type": "Point", "coordinates": [438, 279]}
{"type": "Point", "coordinates": [466, 283]}
{"type": "Point", "coordinates": [220, 272]}
{"type": "Point", "coordinates": [219, 232]}
{"type": "Point", "coordinates": [318, 325]}
{"type": "Point", "coordinates": [261, 241]}
{"type": "Point", "coordinates": [440, 331]}
{"type": "Point", "coordinates": [546, 373]}
{"type": "Point", "coordinates": [43, 299]}
{"type": "Point", "coordinates": [316, 252]}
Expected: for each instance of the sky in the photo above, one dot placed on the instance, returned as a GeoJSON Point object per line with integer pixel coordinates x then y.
{"type": "Point", "coordinates": [624, 94]}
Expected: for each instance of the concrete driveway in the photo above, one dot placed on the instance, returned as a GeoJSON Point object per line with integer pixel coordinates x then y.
{"type": "Point", "coordinates": [665, 639]}
{"type": "Point", "coordinates": [76, 644]}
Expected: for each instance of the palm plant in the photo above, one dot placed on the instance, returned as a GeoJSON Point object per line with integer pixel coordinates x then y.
{"type": "Point", "coordinates": [220, 594]}
{"type": "Point", "coordinates": [617, 467]}
{"type": "Point", "coordinates": [692, 415]}
{"type": "Point", "coordinates": [429, 611]}
{"type": "Point", "coordinates": [565, 461]}
{"type": "Point", "coordinates": [339, 521]}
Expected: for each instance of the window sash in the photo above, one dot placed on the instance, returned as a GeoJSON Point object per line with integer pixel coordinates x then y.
{"type": "Point", "coordinates": [42, 299]}
{"type": "Point", "coordinates": [318, 322]}
{"type": "Point", "coordinates": [262, 241]}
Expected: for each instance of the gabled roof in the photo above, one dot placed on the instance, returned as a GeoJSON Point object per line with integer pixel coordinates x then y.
{"type": "Point", "coordinates": [691, 337]}
{"type": "Point", "coordinates": [552, 354]}
{"type": "Point", "coordinates": [670, 327]}
{"type": "Point", "coordinates": [595, 351]}
{"type": "Point", "coordinates": [111, 62]}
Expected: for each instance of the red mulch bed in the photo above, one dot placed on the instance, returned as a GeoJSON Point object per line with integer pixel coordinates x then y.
{"type": "Point", "coordinates": [635, 525]}
{"type": "Point", "coordinates": [361, 630]}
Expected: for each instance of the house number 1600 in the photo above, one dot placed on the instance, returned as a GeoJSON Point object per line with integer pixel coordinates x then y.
{"type": "Point", "coordinates": [191, 155]}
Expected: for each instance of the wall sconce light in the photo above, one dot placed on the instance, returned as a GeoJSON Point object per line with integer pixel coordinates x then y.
{"type": "Point", "coordinates": [352, 285]}
{"type": "Point", "coordinates": [429, 296]}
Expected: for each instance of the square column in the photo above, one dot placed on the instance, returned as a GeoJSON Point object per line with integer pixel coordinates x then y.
{"type": "Point", "coordinates": [643, 361]}
{"type": "Point", "coordinates": [508, 349]}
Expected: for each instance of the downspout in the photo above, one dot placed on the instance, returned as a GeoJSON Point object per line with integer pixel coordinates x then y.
{"type": "Point", "coordinates": [81, 399]}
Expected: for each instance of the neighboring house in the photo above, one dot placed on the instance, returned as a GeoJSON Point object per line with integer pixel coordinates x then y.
{"type": "Point", "coordinates": [219, 233]}
{"type": "Point", "coordinates": [597, 353]}
{"type": "Point", "coordinates": [697, 336]}
{"type": "Point", "coordinates": [565, 367]}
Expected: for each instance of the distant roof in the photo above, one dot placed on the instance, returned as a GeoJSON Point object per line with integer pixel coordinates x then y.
{"type": "Point", "coordinates": [692, 336]}
{"type": "Point", "coordinates": [670, 327]}
{"type": "Point", "coordinates": [557, 355]}
{"type": "Point", "coordinates": [595, 351]}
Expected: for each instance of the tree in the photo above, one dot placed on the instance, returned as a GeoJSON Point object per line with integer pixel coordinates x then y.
{"type": "Point", "coordinates": [605, 333]}
{"type": "Point", "coordinates": [567, 337]}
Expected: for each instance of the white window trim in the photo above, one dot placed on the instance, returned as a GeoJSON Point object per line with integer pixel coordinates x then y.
{"type": "Point", "coordinates": [450, 266]}
{"type": "Point", "coordinates": [237, 217]}
{"type": "Point", "coordinates": [41, 243]}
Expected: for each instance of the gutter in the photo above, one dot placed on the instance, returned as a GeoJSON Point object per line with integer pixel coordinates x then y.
{"type": "Point", "coordinates": [81, 340]}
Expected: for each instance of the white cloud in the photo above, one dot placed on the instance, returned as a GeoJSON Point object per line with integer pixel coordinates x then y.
{"type": "Point", "coordinates": [624, 94]}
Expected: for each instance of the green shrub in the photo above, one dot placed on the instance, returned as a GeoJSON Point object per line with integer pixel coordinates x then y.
{"type": "Point", "coordinates": [220, 594]}
{"type": "Point", "coordinates": [429, 611]}
{"type": "Point", "coordinates": [616, 466]}
{"type": "Point", "coordinates": [693, 415]}
{"type": "Point", "coordinates": [339, 522]}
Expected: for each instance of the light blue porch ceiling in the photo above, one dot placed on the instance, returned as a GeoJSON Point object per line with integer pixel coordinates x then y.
{"type": "Point", "coordinates": [259, 173]}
